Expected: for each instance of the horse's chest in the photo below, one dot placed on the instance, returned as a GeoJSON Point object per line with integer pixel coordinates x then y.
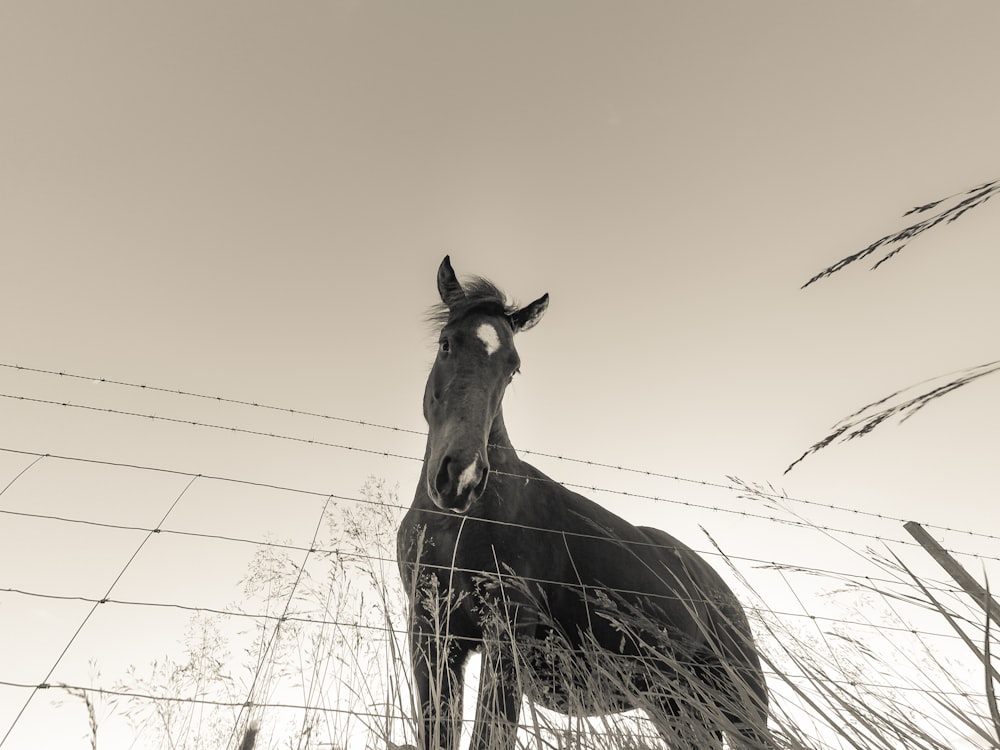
{"type": "Point", "coordinates": [472, 566]}
{"type": "Point", "coordinates": [478, 548]}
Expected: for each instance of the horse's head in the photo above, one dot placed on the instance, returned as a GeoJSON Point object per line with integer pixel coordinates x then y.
{"type": "Point", "coordinates": [476, 360]}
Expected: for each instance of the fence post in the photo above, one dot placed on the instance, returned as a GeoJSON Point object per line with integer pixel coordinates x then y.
{"type": "Point", "coordinates": [960, 575]}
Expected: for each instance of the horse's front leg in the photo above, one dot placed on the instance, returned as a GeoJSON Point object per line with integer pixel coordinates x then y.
{"type": "Point", "coordinates": [503, 673]}
{"type": "Point", "coordinates": [438, 665]}
{"type": "Point", "coordinates": [499, 703]}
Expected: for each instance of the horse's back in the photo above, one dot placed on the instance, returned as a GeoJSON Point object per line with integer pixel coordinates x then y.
{"type": "Point", "coordinates": [729, 638]}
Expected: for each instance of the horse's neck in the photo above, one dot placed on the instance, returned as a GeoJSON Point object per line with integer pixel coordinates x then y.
{"type": "Point", "coordinates": [500, 449]}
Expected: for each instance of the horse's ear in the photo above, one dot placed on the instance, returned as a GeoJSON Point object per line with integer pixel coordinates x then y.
{"type": "Point", "coordinates": [448, 287]}
{"type": "Point", "coordinates": [527, 316]}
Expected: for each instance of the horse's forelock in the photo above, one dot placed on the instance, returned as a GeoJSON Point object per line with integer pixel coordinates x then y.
{"type": "Point", "coordinates": [480, 295]}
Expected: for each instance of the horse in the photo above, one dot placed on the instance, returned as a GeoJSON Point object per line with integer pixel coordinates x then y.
{"type": "Point", "coordinates": [570, 605]}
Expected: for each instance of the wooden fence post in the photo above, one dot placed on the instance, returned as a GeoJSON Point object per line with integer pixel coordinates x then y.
{"type": "Point", "coordinates": [960, 575]}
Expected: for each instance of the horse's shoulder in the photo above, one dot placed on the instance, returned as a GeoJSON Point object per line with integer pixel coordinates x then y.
{"type": "Point", "coordinates": [674, 551]}
{"type": "Point", "coordinates": [664, 540]}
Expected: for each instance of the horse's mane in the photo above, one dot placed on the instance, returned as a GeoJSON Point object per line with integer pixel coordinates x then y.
{"type": "Point", "coordinates": [481, 295]}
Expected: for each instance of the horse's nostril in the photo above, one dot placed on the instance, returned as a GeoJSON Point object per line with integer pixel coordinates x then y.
{"type": "Point", "coordinates": [443, 479]}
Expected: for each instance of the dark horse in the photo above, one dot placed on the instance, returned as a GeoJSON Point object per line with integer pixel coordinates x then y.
{"type": "Point", "coordinates": [571, 605]}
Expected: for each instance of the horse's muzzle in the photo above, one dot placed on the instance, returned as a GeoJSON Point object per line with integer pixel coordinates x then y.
{"type": "Point", "coordinates": [458, 484]}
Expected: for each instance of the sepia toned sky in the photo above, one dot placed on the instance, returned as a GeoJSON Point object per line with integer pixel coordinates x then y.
{"type": "Point", "coordinates": [250, 200]}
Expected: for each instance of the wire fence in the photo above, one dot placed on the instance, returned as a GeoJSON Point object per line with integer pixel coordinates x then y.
{"type": "Point", "coordinates": [888, 585]}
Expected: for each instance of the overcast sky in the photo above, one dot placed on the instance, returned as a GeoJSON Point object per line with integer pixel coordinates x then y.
{"type": "Point", "coordinates": [251, 200]}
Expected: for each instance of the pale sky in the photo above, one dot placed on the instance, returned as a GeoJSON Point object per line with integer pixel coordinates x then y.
{"type": "Point", "coordinates": [251, 200]}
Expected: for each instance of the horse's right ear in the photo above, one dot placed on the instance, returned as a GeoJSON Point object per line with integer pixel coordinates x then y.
{"type": "Point", "coordinates": [527, 316]}
{"type": "Point", "coordinates": [448, 287]}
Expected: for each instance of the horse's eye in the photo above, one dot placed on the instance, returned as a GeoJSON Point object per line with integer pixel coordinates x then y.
{"type": "Point", "coordinates": [445, 346]}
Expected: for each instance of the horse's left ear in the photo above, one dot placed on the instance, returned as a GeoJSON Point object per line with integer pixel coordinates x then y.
{"type": "Point", "coordinates": [448, 287]}
{"type": "Point", "coordinates": [527, 316]}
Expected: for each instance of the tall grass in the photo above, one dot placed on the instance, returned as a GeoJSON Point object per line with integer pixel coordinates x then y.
{"type": "Point", "coordinates": [337, 673]}
{"type": "Point", "coordinates": [902, 692]}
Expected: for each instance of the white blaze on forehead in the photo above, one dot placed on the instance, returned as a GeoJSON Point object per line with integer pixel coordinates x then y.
{"type": "Point", "coordinates": [489, 336]}
{"type": "Point", "coordinates": [469, 476]}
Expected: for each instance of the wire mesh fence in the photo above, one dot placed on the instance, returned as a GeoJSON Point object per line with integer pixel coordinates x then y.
{"type": "Point", "coordinates": [151, 606]}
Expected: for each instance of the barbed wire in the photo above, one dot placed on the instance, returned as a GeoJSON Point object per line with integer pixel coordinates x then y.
{"type": "Point", "coordinates": [394, 507]}
{"type": "Point", "coordinates": [404, 430]}
{"type": "Point", "coordinates": [797, 567]}
{"type": "Point", "coordinates": [573, 485]}
{"type": "Point", "coordinates": [871, 581]}
{"type": "Point", "coordinates": [393, 561]}
{"type": "Point", "coordinates": [803, 524]}
{"type": "Point", "coordinates": [216, 399]}
{"type": "Point", "coordinates": [207, 425]}
{"type": "Point", "coordinates": [398, 632]}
